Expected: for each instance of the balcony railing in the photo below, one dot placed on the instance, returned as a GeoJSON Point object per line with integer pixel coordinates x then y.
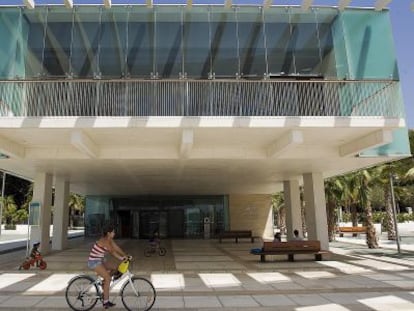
{"type": "Point", "coordinates": [200, 98]}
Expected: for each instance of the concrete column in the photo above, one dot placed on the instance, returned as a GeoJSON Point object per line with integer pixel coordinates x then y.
{"type": "Point", "coordinates": [42, 193]}
{"type": "Point", "coordinates": [315, 205]}
{"type": "Point", "coordinates": [292, 203]}
{"type": "Point", "coordinates": [60, 214]}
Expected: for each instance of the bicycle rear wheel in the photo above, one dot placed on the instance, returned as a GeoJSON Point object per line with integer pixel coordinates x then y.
{"type": "Point", "coordinates": [82, 293]}
{"type": "Point", "coordinates": [138, 294]}
{"type": "Point", "coordinates": [148, 251]}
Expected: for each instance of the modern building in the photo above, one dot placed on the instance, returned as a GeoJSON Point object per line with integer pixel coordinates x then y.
{"type": "Point", "coordinates": [177, 117]}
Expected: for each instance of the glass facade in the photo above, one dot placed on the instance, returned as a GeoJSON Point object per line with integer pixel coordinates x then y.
{"type": "Point", "coordinates": [172, 42]}
{"type": "Point", "coordinates": [172, 216]}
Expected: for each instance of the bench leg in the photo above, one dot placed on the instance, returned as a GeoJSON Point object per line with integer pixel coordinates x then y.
{"type": "Point", "coordinates": [354, 235]}
{"type": "Point", "coordinates": [219, 240]}
{"type": "Point", "coordinates": [252, 239]}
{"type": "Point", "coordinates": [341, 235]}
{"type": "Point", "coordinates": [262, 258]}
{"type": "Point", "coordinates": [318, 257]}
{"type": "Point", "coordinates": [237, 240]}
{"type": "Point", "coordinates": [291, 257]}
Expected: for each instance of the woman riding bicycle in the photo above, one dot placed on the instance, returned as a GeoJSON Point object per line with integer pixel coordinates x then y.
{"type": "Point", "coordinates": [96, 260]}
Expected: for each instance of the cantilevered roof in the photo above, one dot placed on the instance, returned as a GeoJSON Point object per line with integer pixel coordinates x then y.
{"type": "Point", "coordinates": [305, 4]}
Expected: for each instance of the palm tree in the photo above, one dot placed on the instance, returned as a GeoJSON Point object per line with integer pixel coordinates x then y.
{"type": "Point", "coordinates": [278, 206]}
{"type": "Point", "coordinates": [334, 189]}
{"type": "Point", "coordinates": [9, 210]}
{"type": "Point", "coordinates": [76, 207]}
{"type": "Point", "coordinates": [366, 178]}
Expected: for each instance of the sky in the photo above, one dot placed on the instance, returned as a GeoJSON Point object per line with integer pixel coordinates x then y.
{"type": "Point", "coordinates": [402, 22]}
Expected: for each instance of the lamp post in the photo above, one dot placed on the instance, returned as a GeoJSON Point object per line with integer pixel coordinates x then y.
{"type": "Point", "coordinates": [2, 198]}
{"type": "Point", "coordinates": [394, 213]}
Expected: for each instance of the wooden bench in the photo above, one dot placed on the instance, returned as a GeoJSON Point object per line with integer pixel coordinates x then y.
{"type": "Point", "coordinates": [236, 234]}
{"type": "Point", "coordinates": [291, 248]}
{"type": "Point", "coordinates": [354, 230]}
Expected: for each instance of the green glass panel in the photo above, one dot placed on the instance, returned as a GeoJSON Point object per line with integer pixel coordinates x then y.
{"type": "Point", "coordinates": [251, 42]}
{"type": "Point", "coordinates": [168, 42]}
{"type": "Point", "coordinates": [86, 42]}
{"type": "Point", "coordinates": [369, 45]}
{"type": "Point", "coordinates": [197, 56]}
{"type": "Point", "coordinates": [141, 45]}
{"type": "Point", "coordinates": [224, 51]}
{"type": "Point", "coordinates": [400, 146]}
{"type": "Point", "coordinates": [113, 42]}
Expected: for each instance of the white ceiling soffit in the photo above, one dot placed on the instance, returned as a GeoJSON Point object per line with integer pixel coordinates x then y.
{"type": "Point", "coordinates": [381, 4]}
{"type": "Point", "coordinates": [372, 140]}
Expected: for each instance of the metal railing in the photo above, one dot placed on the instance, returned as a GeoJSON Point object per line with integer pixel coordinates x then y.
{"type": "Point", "coordinates": [200, 98]}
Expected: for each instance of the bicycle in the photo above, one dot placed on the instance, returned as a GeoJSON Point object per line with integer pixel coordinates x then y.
{"type": "Point", "coordinates": [37, 261]}
{"type": "Point", "coordinates": [153, 247]}
{"type": "Point", "coordinates": [84, 291]}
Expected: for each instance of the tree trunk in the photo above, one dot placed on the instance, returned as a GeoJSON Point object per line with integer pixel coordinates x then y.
{"type": "Point", "coordinates": [354, 215]}
{"type": "Point", "coordinates": [372, 240]}
{"type": "Point", "coordinates": [331, 213]}
{"type": "Point", "coordinates": [303, 218]}
{"type": "Point", "coordinates": [281, 218]}
{"type": "Point", "coordinates": [389, 218]}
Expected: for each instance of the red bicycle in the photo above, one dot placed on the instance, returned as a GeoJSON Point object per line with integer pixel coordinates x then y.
{"type": "Point", "coordinates": [37, 261]}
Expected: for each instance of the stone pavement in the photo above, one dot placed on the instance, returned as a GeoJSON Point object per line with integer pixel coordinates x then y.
{"type": "Point", "coordinates": [206, 275]}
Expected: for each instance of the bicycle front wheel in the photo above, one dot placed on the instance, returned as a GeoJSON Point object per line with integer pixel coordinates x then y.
{"type": "Point", "coordinates": [82, 293]}
{"type": "Point", "coordinates": [138, 294]}
{"type": "Point", "coordinates": [162, 251]}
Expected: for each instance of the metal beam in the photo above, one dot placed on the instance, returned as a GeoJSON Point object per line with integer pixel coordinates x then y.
{"type": "Point", "coordinates": [267, 3]}
{"type": "Point", "coordinates": [342, 4]}
{"type": "Point", "coordinates": [306, 4]}
{"type": "Point", "coordinates": [30, 4]}
{"type": "Point", "coordinates": [187, 141]}
{"type": "Point", "coordinates": [11, 149]}
{"type": "Point", "coordinates": [84, 144]}
{"type": "Point", "coordinates": [68, 3]}
{"type": "Point", "coordinates": [284, 142]}
{"type": "Point", "coordinates": [107, 4]}
{"type": "Point", "coordinates": [381, 4]}
{"type": "Point", "coordinates": [375, 139]}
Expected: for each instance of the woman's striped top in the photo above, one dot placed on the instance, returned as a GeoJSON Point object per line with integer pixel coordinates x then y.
{"type": "Point", "coordinates": [97, 252]}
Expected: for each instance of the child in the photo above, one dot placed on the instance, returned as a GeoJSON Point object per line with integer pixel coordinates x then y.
{"type": "Point", "coordinates": [35, 250]}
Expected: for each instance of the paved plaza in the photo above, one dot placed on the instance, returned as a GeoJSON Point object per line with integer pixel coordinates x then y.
{"type": "Point", "coordinates": [207, 275]}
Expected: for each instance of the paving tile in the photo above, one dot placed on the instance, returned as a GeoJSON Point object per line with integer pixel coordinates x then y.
{"type": "Point", "coordinates": [274, 300]}
{"type": "Point", "coordinates": [308, 299]}
{"type": "Point", "coordinates": [201, 302]}
{"type": "Point", "coordinates": [21, 301]}
{"type": "Point", "coordinates": [164, 302]}
{"type": "Point", "coordinates": [241, 301]}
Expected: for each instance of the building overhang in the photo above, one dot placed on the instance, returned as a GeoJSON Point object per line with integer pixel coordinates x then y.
{"type": "Point", "coordinates": [190, 155]}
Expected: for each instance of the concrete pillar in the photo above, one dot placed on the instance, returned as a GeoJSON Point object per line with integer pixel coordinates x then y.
{"type": "Point", "coordinates": [315, 205]}
{"type": "Point", "coordinates": [291, 194]}
{"type": "Point", "coordinates": [60, 214]}
{"type": "Point", "coordinates": [42, 193]}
